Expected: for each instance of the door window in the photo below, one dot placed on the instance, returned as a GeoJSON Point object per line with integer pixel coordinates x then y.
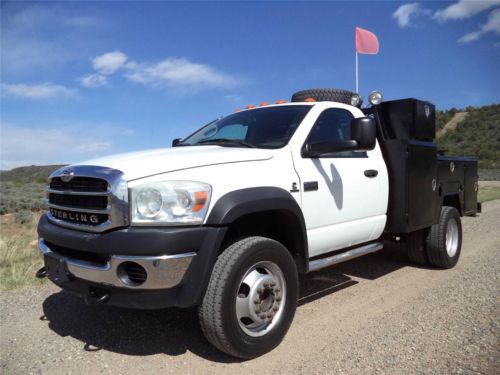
{"type": "Point", "coordinates": [334, 124]}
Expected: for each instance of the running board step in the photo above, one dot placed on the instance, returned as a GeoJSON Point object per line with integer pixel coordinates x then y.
{"type": "Point", "coordinates": [344, 257]}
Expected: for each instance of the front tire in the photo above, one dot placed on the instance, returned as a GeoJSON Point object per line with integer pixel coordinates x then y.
{"type": "Point", "coordinates": [444, 241]}
{"type": "Point", "coordinates": [251, 298]}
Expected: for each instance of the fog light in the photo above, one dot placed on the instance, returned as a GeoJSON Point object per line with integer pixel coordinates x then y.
{"type": "Point", "coordinates": [131, 274]}
{"type": "Point", "coordinates": [375, 98]}
{"type": "Point", "coordinates": [356, 100]}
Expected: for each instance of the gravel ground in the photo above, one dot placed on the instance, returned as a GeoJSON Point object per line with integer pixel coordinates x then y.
{"type": "Point", "coordinates": [375, 314]}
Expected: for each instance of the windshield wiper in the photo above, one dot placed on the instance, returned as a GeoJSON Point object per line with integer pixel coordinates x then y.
{"type": "Point", "coordinates": [225, 141]}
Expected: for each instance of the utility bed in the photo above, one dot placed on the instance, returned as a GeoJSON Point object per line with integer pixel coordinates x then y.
{"type": "Point", "coordinates": [420, 180]}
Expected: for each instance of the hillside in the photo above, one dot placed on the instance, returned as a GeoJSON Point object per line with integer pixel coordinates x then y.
{"type": "Point", "coordinates": [452, 124]}
{"type": "Point", "coordinates": [34, 173]}
{"type": "Point", "coordinates": [23, 190]}
{"type": "Point", "coordinates": [477, 134]}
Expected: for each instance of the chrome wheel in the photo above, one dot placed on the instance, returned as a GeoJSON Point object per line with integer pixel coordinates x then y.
{"type": "Point", "coordinates": [261, 298]}
{"type": "Point", "coordinates": [452, 238]}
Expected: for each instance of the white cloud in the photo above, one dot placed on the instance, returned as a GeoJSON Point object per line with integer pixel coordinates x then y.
{"type": "Point", "coordinates": [406, 12]}
{"type": "Point", "coordinates": [21, 145]}
{"type": "Point", "coordinates": [41, 91]}
{"type": "Point", "coordinates": [43, 37]}
{"type": "Point", "coordinates": [176, 73]}
{"type": "Point", "coordinates": [464, 9]}
{"type": "Point", "coordinates": [91, 147]}
{"type": "Point", "coordinates": [181, 73]}
{"type": "Point", "coordinates": [110, 62]}
{"type": "Point", "coordinates": [94, 80]}
{"type": "Point", "coordinates": [127, 132]}
{"type": "Point", "coordinates": [492, 25]}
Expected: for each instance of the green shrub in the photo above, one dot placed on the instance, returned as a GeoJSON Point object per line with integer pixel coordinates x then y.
{"type": "Point", "coordinates": [24, 217]}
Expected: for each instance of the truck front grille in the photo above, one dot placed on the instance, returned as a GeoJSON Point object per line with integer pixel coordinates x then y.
{"type": "Point", "coordinates": [91, 199]}
{"type": "Point", "coordinates": [80, 184]}
{"type": "Point", "coordinates": [79, 201]}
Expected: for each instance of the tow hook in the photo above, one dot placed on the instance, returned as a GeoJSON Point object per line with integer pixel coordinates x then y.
{"type": "Point", "coordinates": [41, 273]}
{"type": "Point", "coordinates": [97, 297]}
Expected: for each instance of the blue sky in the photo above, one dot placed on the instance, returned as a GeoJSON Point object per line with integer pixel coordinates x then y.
{"type": "Point", "coordinates": [86, 79]}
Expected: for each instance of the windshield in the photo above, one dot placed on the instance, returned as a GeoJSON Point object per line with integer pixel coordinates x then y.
{"type": "Point", "coordinates": [270, 127]}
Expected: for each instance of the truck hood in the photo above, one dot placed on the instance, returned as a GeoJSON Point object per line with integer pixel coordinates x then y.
{"type": "Point", "coordinates": [151, 162]}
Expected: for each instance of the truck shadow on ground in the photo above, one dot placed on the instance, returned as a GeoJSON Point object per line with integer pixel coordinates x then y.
{"type": "Point", "coordinates": [176, 331]}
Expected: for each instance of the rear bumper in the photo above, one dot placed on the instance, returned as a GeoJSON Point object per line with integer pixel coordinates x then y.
{"type": "Point", "coordinates": [177, 262]}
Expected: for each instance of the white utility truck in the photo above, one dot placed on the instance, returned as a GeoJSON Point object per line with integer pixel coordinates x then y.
{"type": "Point", "coordinates": [228, 217]}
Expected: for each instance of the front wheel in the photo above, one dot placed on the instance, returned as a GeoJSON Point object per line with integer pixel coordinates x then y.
{"type": "Point", "coordinates": [251, 298]}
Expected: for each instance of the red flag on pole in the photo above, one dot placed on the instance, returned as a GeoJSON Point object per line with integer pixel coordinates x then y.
{"type": "Point", "coordinates": [366, 42]}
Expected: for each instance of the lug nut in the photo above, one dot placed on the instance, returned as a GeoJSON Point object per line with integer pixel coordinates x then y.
{"type": "Point", "coordinates": [278, 298]}
{"type": "Point", "coordinates": [270, 315]}
{"type": "Point", "coordinates": [263, 316]}
{"type": "Point", "coordinates": [272, 284]}
{"type": "Point", "coordinates": [277, 290]}
{"type": "Point", "coordinates": [275, 307]}
{"type": "Point", "coordinates": [257, 311]}
{"type": "Point", "coordinates": [265, 284]}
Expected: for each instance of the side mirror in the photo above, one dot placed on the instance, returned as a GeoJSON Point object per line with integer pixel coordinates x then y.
{"type": "Point", "coordinates": [176, 142]}
{"type": "Point", "coordinates": [363, 131]}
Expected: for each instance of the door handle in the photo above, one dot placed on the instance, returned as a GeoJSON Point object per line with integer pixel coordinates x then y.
{"type": "Point", "coordinates": [371, 173]}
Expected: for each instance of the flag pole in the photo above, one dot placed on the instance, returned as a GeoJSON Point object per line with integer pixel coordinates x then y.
{"type": "Point", "coordinates": [357, 82]}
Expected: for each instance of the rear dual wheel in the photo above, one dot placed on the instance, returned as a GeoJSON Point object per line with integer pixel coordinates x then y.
{"type": "Point", "coordinates": [251, 298]}
{"type": "Point", "coordinates": [444, 241]}
{"type": "Point", "coordinates": [439, 245]}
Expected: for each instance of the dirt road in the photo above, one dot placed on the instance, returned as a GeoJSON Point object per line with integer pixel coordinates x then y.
{"type": "Point", "coordinates": [376, 314]}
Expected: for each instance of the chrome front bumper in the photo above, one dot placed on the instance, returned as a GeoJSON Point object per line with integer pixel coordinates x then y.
{"type": "Point", "coordinates": [163, 272]}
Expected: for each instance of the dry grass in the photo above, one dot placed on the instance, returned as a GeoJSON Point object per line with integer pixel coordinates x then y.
{"type": "Point", "coordinates": [488, 191]}
{"type": "Point", "coordinates": [19, 256]}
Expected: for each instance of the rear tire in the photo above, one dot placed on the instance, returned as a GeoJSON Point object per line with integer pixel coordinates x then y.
{"type": "Point", "coordinates": [444, 241]}
{"type": "Point", "coordinates": [251, 298]}
{"type": "Point", "coordinates": [416, 243]}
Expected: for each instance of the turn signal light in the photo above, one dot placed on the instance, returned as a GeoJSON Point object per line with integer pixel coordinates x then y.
{"type": "Point", "coordinates": [200, 198]}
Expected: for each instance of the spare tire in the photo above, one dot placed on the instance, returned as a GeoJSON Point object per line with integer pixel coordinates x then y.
{"type": "Point", "coordinates": [324, 95]}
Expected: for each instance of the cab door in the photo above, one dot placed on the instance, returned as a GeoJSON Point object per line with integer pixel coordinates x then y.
{"type": "Point", "coordinates": [344, 194]}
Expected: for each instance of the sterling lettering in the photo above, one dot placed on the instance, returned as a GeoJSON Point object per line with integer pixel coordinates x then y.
{"type": "Point", "coordinates": [74, 216]}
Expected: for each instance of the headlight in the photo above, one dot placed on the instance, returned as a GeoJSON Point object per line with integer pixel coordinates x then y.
{"type": "Point", "coordinates": [170, 203]}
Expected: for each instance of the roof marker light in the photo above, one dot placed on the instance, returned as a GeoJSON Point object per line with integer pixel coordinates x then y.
{"type": "Point", "coordinates": [250, 106]}
{"type": "Point", "coordinates": [280, 101]}
{"type": "Point", "coordinates": [263, 104]}
{"type": "Point", "coordinates": [309, 100]}
{"type": "Point", "coordinates": [237, 110]}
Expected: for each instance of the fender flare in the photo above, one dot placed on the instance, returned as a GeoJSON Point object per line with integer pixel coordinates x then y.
{"type": "Point", "coordinates": [239, 203]}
